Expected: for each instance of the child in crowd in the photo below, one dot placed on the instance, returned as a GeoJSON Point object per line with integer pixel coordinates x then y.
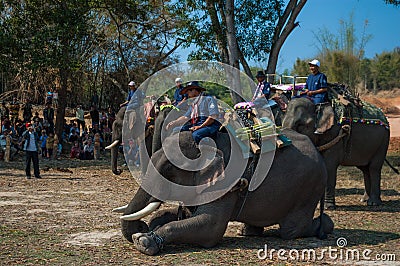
{"type": "Point", "coordinates": [49, 145]}
{"type": "Point", "coordinates": [42, 140]}
{"type": "Point", "coordinates": [75, 151]}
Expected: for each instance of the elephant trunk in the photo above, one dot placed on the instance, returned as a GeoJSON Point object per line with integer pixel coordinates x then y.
{"type": "Point", "coordinates": [114, 159]}
{"type": "Point", "coordinates": [138, 206]}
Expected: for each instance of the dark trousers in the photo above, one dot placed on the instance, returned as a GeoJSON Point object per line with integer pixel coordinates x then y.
{"type": "Point", "coordinates": [32, 155]}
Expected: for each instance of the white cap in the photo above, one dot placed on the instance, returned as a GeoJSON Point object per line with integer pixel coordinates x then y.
{"type": "Point", "coordinates": [178, 80]}
{"type": "Point", "coordinates": [315, 62]}
{"type": "Point", "coordinates": [132, 83]}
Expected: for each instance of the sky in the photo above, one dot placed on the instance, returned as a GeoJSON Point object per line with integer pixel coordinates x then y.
{"type": "Point", "coordinates": [383, 25]}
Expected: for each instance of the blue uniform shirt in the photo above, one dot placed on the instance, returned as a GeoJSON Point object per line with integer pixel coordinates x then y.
{"type": "Point", "coordinates": [316, 82]}
{"type": "Point", "coordinates": [177, 95]}
{"type": "Point", "coordinates": [135, 99]}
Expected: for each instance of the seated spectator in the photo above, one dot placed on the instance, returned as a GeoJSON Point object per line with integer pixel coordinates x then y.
{"type": "Point", "coordinates": [36, 117]}
{"type": "Point", "coordinates": [3, 145]}
{"type": "Point", "coordinates": [132, 153]}
{"type": "Point", "coordinates": [73, 136]}
{"type": "Point", "coordinates": [42, 140]}
{"type": "Point", "coordinates": [88, 150]}
{"type": "Point", "coordinates": [75, 151]}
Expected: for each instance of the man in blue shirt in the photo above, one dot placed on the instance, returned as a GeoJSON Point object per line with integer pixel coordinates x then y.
{"type": "Point", "coordinates": [316, 83]}
{"type": "Point", "coordinates": [131, 93]}
{"type": "Point", "coordinates": [201, 116]}
{"type": "Point", "coordinates": [179, 98]}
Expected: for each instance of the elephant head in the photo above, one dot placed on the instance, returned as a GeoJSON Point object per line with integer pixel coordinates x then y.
{"type": "Point", "coordinates": [143, 203]}
{"type": "Point", "coordinates": [306, 118]}
{"type": "Point", "coordinates": [136, 121]}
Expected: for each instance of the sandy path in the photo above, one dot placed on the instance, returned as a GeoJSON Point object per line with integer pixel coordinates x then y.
{"type": "Point", "coordinates": [394, 125]}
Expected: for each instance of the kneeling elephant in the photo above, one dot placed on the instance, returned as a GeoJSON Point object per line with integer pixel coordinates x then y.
{"type": "Point", "coordinates": [287, 196]}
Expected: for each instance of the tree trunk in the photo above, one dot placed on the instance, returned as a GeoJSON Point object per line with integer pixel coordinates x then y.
{"type": "Point", "coordinates": [286, 24]}
{"type": "Point", "coordinates": [233, 51]}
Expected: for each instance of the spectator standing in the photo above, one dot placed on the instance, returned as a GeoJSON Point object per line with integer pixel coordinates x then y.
{"type": "Point", "coordinates": [80, 118]}
{"type": "Point", "coordinates": [94, 116]}
{"type": "Point", "coordinates": [55, 98]}
{"type": "Point", "coordinates": [31, 147]}
{"type": "Point", "coordinates": [50, 145]}
{"type": "Point", "coordinates": [27, 111]}
{"type": "Point", "coordinates": [95, 100]}
{"type": "Point", "coordinates": [4, 113]}
{"type": "Point", "coordinates": [14, 110]}
{"type": "Point", "coordinates": [48, 117]}
{"type": "Point", "coordinates": [42, 140]}
{"type": "Point", "coordinates": [49, 97]}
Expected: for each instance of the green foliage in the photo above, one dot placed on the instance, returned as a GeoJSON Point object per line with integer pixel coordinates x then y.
{"type": "Point", "coordinates": [385, 71]}
{"type": "Point", "coordinates": [254, 20]}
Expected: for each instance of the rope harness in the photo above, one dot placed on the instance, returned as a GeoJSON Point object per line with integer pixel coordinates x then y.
{"type": "Point", "coordinates": [344, 131]}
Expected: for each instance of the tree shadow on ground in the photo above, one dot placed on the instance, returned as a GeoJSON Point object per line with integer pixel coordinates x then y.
{"type": "Point", "coordinates": [391, 206]}
{"type": "Point", "coordinates": [358, 191]}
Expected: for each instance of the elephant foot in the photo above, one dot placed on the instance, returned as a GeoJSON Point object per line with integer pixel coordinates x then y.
{"type": "Point", "coordinates": [327, 226]}
{"type": "Point", "coordinates": [249, 230]}
{"type": "Point", "coordinates": [374, 202]}
{"type": "Point", "coordinates": [147, 243]}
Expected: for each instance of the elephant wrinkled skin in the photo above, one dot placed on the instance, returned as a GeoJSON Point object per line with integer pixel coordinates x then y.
{"type": "Point", "coordinates": [288, 196]}
{"type": "Point", "coordinates": [365, 147]}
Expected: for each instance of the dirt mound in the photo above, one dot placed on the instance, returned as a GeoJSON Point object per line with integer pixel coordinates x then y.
{"type": "Point", "coordinates": [388, 105]}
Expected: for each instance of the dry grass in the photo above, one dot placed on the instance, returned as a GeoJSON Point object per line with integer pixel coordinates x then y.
{"type": "Point", "coordinates": [66, 219]}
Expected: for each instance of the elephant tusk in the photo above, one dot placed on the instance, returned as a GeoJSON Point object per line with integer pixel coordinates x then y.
{"type": "Point", "coordinates": [120, 209]}
{"type": "Point", "coordinates": [142, 213]}
{"type": "Point", "coordinates": [112, 145]}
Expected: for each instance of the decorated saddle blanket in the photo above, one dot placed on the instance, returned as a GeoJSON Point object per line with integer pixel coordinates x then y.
{"type": "Point", "coordinates": [351, 109]}
{"type": "Point", "coordinates": [248, 129]}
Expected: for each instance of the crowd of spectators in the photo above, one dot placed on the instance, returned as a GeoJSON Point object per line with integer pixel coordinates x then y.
{"type": "Point", "coordinates": [77, 140]}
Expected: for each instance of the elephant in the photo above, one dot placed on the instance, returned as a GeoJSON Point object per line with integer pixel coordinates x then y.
{"type": "Point", "coordinates": [144, 143]}
{"type": "Point", "coordinates": [288, 196]}
{"type": "Point", "coordinates": [363, 146]}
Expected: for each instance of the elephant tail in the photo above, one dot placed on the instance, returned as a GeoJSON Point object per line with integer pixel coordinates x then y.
{"type": "Point", "coordinates": [391, 166]}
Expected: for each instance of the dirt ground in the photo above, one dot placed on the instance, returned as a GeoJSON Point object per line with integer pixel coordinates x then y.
{"type": "Point", "coordinates": [65, 218]}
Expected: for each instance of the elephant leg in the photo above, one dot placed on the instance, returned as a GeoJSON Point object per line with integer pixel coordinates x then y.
{"type": "Point", "coordinates": [327, 225]}
{"type": "Point", "coordinates": [298, 223]}
{"type": "Point", "coordinates": [249, 230]}
{"type": "Point", "coordinates": [367, 182]}
{"type": "Point", "coordinates": [330, 203]}
{"type": "Point", "coordinates": [165, 216]}
{"type": "Point", "coordinates": [205, 229]}
{"type": "Point", "coordinates": [375, 181]}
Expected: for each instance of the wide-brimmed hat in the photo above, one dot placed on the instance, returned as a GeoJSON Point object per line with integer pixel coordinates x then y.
{"type": "Point", "coordinates": [192, 85]}
{"type": "Point", "coordinates": [260, 74]}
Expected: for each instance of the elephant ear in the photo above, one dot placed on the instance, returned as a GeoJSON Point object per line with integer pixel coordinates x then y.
{"type": "Point", "coordinates": [325, 118]}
